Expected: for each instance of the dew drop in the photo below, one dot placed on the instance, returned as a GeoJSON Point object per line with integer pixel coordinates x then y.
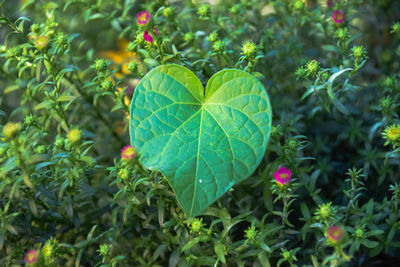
{"type": "Point", "coordinates": [200, 181]}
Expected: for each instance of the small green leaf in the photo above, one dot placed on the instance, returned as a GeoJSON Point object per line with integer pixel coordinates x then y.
{"type": "Point", "coordinates": [262, 257]}
{"type": "Point", "coordinates": [203, 142]}
{"type": "Point", "coordinates": [369, 243]}
{"type": "Point", "coordinates": [220, 251]}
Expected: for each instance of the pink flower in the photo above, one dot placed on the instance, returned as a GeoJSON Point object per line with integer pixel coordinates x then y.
{"type": "Point", "coordinates": [143, 17]}
{"type": "Point", "coordinates": [156, 30]}
{"type": "Point", "coordinates": [338, 17]}
{"type": "Point", "coordinates": [147, 37]}
{"type": "Point", "coordinates": [128, 152]}
{"type": "Point", "coordinates": [31, 256]}
{"type": "Point", "coordinates": [283, 176]}
{"type": "Point", "coordinates": [335, 233]}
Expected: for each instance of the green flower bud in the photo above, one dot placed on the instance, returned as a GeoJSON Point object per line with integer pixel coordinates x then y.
{"type": "Point", "coordinates": [359, 233]}
{"type": "Point", "coordinates": [104, 249]}
{"type": "Point", "coordinates": [249, 49]}
{"type": "Point", "coordinates": [342, 33]}
{"type": "Point", "coordinates": [196, 226]}
{"type": "Point", "coordinates": [298, 5]}
{"type": "Point", "coordinates": [218, 46]}
{"type": "Point", "coordinates": [59, 142]}
{"type": "Point", "coordinates": [251, 233]}
{"type": "Point", "coordinates": [11, 129]}
{"type": "Point", "coordinates": [213, 37]}
{"type": "Point", "coordinates": [101, 65]}
{"type": "Point", "coordinates": [107, 85]}
{"type": "Point", "coordinates": [168, 12]}
{"type": "Point", "coordinates": [203, 11]}
{"type": "Point", "coordinates": [395, 28]}
{"type": "Point", "coordinates": [123, 174]}
{"type": "Point", "coordinates": [74, 135]}
{"type": "Point", "coordinates": [140, 38]}
{"type": "Point", "coordinates": [40, 149]}
{"type": "Point", "coordinates": [389, 82]}
{"type": "Point", "coordinates": [133, 66]}
{"type": "Point", "coordinates": [300, 73]}
{"type": "Point", "coordinates": [189, 37]}
{"type": "Point", "coordinates": [312, 67]}
{"type": "Point", "coordinates": [29, 119]}
{"type": "Point", "coordinates": [235, 9]}
{"type": "Point", "coordinates": [324, 211]}
{"type": "Point", "coordinates": [359, 51]}
{"type": "Point", "coordinates": [35, 28]}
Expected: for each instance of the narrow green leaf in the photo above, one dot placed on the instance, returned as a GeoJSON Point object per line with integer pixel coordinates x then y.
{"type": "Point", "coordinates": [220, 251]}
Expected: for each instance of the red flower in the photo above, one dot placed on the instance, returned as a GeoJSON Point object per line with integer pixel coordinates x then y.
{"type": "Point", "coordinates": [143, 17]}
{"type": "Point", "coordinates": [335, 233]}
{"type": "Point", "coordinates": [31, 256]}
{"type": "Point", "coordinates": [338, 17]}
{"type": "Point", "coordinates": [128, 152]}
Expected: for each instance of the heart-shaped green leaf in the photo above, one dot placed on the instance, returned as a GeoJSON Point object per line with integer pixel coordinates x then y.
{"type": "Point", "coordinates": [203, 143]}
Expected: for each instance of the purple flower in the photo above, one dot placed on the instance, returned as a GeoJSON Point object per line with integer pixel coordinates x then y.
{"type": "Point", "coordinates": [282, 176]}
{"type": "Point", "coordinates": [143, 17]}
{"type": "Point", "coordinates": [147, 37]}
{"type": "Point", "coordinates": [338, 17]}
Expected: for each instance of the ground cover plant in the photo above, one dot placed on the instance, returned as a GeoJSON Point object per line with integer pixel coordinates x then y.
{"type": "Point", "coordinates": [82, 184]}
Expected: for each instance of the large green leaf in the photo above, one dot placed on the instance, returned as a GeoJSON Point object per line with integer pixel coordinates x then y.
{"type": "Point", "coordinates": [202, 143]}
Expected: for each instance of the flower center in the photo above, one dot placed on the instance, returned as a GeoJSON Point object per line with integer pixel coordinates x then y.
{"type": "Point", "coordinates": [142, 17]}
{"type": "Point", "coordinates": [393, 133]}
{"type": "Point", "coordinates": [129, 151]}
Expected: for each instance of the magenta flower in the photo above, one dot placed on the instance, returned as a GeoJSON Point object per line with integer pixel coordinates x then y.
{"type": "Point", "coordinates": [143, 17]}
{"type": "Point", "coordinates": [147, 37]}
{"type": "Point", "coordinates": [128, 152]}
{"type": "Point", "coordinates": [338, 17]}
{"type": "Point", "coordinates": [31, 256]}
{"type": "Point", "coordinates": [283, 176]}
{"type": "Point", "coordinates": [156, 30]}
{"type": "Point", "coordinates": [335, 233]}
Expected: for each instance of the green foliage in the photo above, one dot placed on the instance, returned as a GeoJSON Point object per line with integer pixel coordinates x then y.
{"type": "Point", "coordinates": [325, 193]}
{"type": "Point", "coordinates": [210, 140]}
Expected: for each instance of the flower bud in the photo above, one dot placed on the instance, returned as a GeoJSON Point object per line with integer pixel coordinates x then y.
{"type": "Point", "coordinates": [312, 67]}
{"type": "Point", "coordinates": [41, 42]}
{"type": "Point", "coordinates": [196, 226]}
{"type": "Point", "coordinates": [168, 12]}
{"type": "Point", "coordinates": [249, 49]}
{"type": "Point", "coordinates": [251, 233]}
{"type": "Point", "coordinates": [74, 135]}
{"type": "Point", "coordinates": [11, 129]}
{"type": "Point", "coordinates": [218, 46]}
{"type": "Point", "coordinates": [107, 85]}
{"type": "Point", "coordinates": [203, 11]}
{"type": "Point", "coordinates": [101, 65]}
